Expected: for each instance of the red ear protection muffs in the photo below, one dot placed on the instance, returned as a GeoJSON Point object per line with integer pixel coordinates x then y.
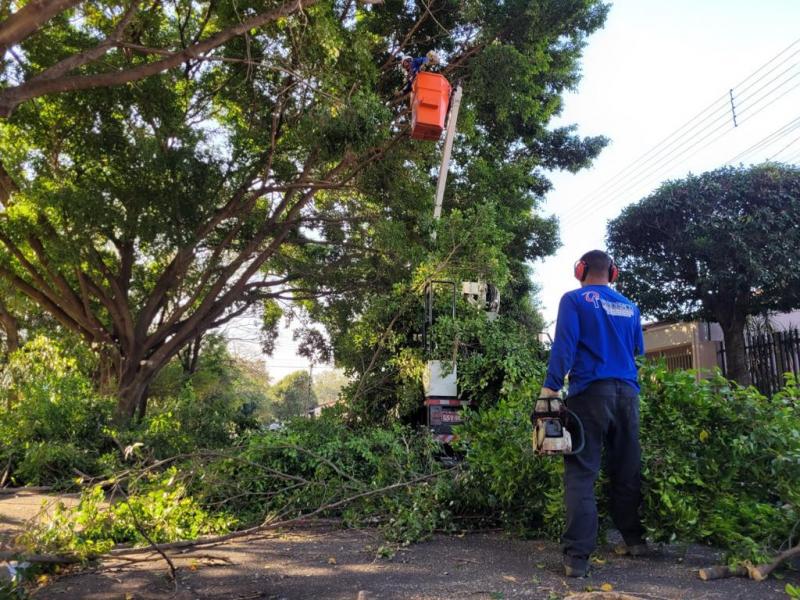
{"type": "Point", "coordinates": [613, 271]}
{"type": "Point", "coordinates": [582, 271]}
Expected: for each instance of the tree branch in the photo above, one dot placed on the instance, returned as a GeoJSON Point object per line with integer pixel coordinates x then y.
{"type": "Point", "coordinates": [30, 18]}
{"type": "Point", "coordinates": [82, 58]}
{"type": "Point", "coordinates": [10, 98]}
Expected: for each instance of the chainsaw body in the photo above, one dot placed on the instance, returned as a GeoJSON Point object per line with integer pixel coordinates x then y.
{"type": "Point", "coordinates": [550, 435]}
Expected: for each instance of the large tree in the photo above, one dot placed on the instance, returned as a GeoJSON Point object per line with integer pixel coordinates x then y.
{"type": "Point", "coordinates": [491, 228]}
{"type": "Point", "coordinates": [141, 216]}
{"type": "Point", "coordinates": [718, 246]}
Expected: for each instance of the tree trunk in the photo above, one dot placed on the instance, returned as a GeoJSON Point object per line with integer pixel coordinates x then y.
{"type": "Point", "coordinates": [132, 392]}
{"type": "Point", "coordinates": [735, 353]}
{"type": "Point", "coordinates": [10, 328]}
{"type": "Point", "coordinates": [143, 403]}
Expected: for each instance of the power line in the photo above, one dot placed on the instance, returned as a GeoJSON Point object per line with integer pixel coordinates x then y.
{"type": "Point", "coordinates": [766, 64]}
{"type": "Point", "coordinates": [685, 147]}
{"type": "Point", "coordinates": [789, 145]}
{"type": "Point", "coordinates": [791, 159]}
{"type": "Point", "coordinates": [767, 141]}
{"type": "Point", "coordinates": [664, 151]}
{"type": "Point", "coordinates": [770, 92]}
{"type": "Point", "coordinates": [774, 100]}
{"type": "Point", "coordinates": [723, 116]}
{"type": "Point", "coordinates": [783, 62]}
{"type": "Point", "coordinates": [669, 162]}
{"type": "Point", "coordinates": [640, 181]}
{"type": "Point", "coordinates": [659, 148]}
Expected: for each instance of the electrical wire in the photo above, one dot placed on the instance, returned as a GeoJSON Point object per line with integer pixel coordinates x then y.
{"type": "Point", "coordinates": [789, 130]}
{"type": "Point", "coordinates": [783, 62]}
{"type": "Point", "coordinates": [662, 146]}
{"type": "Point", "coordinates": [792, 159]}
{"type": "Point", "coordinates": [745, 108]}
{"type": "Point", "coordinates": [786, 147]}
{"type": "Point", "coordinates": [687, 146]}
{"type": "Point", "coordinates": [724, 116]}
{"type": "Point", "coordinates": [655, 152]}
{"type": "Point", "coordinates": [670, 162]}
{"type": "Point", "coordinates": [677, 144]}
{"type": "Point", "coordinates": [767, 141]}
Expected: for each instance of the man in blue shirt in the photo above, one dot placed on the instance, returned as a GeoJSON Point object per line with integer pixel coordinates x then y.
{"type": "Point", "coordinates": [598, 336]}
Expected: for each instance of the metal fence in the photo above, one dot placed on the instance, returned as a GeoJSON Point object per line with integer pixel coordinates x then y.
{"type": "Point", "coordinates": [770, 355]}
{"type": "Point", "coordinates": [675, 358]}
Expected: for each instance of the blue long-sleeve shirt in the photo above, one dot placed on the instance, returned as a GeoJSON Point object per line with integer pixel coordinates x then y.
{"type": "Point", "coordinates": [598, 336]}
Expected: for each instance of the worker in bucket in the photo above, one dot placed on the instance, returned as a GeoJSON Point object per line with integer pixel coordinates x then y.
{"type": "Point", "coordinates": [598, 336]}
{"type": "Point", "coordinates": [412, 66]}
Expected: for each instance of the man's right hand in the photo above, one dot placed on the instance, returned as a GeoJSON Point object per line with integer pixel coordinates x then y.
{"type": "Point", "coordinates": [548, 393]}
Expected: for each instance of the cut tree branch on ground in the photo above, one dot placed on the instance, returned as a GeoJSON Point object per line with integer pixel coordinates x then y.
{"type": "Point", "coordinates": [747, 569]}
{"type": "Point", "coordinates": [53, 559]}
{"type": "Point", "coordinates": [9, 491]}
{"type": "Point", "coordinates": [203, 542]}
{"type": "Point", "coordinates": [123, 553]}
{"type": "Point", "coordinates": [140, 528]}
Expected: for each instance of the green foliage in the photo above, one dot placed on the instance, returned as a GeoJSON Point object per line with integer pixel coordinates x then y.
{"type": "Point", "coordinates": [159, 507]}
{"type": "Point", "coordinates": [292, 396]}
{"type": "Point", "coordinates": [53, 424]}
{"type": "Point", "coordinates": [494, 358]}
{"type": "Point", "coordinates": [314, 463]}
{"type": "Point", "coordinates": [505, 482]}
{"type": "Point", "coordinates": [721, 462]}
{"type": "Point", "coordinates": [328, 386]}
{"type": "Point", "coordinates": [491, 226]}
{"type": "Point", "coordinates": [279, 169]}
{"type": "Point", "coordinates": [11, 590]}
{"type": "Point", "coordinates": [705, 247]}
{"type": "Point", "coordinates": [720, 466]}
{"type": "Point", "coordinates": [52, 421]}
{"type": "Point", "coordinates": [497, 359]}
{"type": "Point", "coordinates": [699, 247]}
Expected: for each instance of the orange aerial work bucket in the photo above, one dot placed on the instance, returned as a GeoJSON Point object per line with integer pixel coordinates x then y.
{"type": "Point", "coordinates": [429, 101]}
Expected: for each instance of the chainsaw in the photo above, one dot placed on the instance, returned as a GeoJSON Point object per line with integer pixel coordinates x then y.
{"type": "Point", "coordinates": [550, 434]}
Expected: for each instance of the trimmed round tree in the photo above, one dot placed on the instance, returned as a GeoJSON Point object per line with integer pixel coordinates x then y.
{"type": "Point", "coordinates": [718, 246]}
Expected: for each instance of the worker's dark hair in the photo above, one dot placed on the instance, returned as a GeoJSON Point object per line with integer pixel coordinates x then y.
{"type": "Point", "coordinates": [598, 262]}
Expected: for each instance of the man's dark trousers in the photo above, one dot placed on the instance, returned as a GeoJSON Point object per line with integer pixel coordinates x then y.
{"type": "Point", "coordinates": [609, 410]}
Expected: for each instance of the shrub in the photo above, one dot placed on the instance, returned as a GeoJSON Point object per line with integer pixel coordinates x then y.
{"type": "Point", "coordinates": [52, 421]}
{"type": "Point", "coordinates": [720, 465]}
{"type": "Point", "coordinates": [721, 462]}
{"type": "Point", "coordinates": [53, 424]}
{"type": "Point", "coordinates": [504, 481]}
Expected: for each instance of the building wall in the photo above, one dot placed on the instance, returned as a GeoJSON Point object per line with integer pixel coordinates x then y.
{"type": "Point", "coordinates": [784, 321]}
{"type": "Point", "coordinates": [682, 344]}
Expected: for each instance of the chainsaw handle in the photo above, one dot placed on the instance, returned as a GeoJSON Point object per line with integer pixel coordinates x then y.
{"type": "Point", "coordinates": [550, 412]}
{"type": "Point", "coordinates": [580, 427]}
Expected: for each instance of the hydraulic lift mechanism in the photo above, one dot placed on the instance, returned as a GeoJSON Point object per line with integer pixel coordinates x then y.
{"type": "Point", "coordinates": [440, 381]}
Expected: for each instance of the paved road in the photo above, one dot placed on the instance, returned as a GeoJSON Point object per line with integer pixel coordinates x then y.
{"type": "Point", "coordinates": [322, 562]}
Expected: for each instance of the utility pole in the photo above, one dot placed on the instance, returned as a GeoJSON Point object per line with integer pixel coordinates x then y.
{"type": "Point", "coordinates": [309, 411]}
{"type": "Point", "coordinates": [448, 147]}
